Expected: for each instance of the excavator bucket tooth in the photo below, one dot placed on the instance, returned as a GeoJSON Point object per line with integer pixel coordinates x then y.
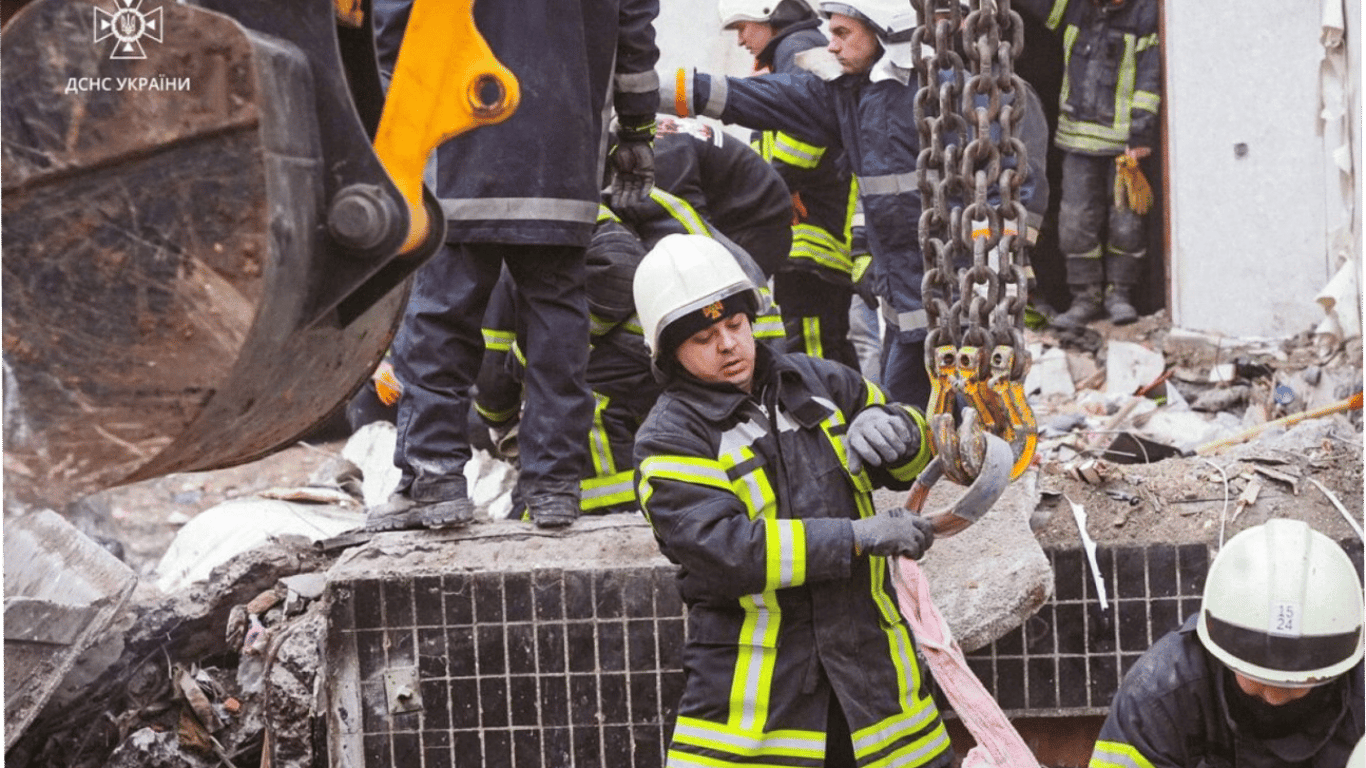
{"type": "Point", "coordinates": [171, 286]}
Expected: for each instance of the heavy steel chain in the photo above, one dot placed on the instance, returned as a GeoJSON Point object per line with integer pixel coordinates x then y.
{"type": "Point", "coordinates": [970, 170]}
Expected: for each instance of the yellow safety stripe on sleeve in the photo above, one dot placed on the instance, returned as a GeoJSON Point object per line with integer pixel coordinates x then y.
{"type": "Point", "coordinates": [763, 144]}
{"type": "Point", "coordinates": [1147, 101]}
{"type": "Point", "coordinates": [607, 491]}
{"type": "Point", "coordinates": [769, 326]}
{"type": "Point", "coordinates": [908, 470]}
{"type": "Point", "coordinates": [1146, 42]}
{"type": "Point", "coordinates": [809, 745]}
{"type": "Point", "coordinates": [632, 325]}
{"type": "Point", "coordinates": [599, 449]}
{"type": "Point", "coordinates": [769, 323]}
{"type": "Point", "coordinates": [795, 153]}
{"type": "Point", "coordinates": [1115, 754]}
{"type": "Point", "coordinates": [875, 394]}
{"type": "Point", "coordinates": [497, 340]}
{"type": "Point", "coordinates": [818, 245]}
{"type": "Point", "coordinates": [786, 553]}
{"type": "Point", "coordinates": [1055, 15]}
{"type": "Point", "coordinates": [497, 417]}
{"type": "Point", "coordinates": [756, 657]}
{"type": "Point", "coordinates": [607, 214]}
{"type": "Point", "coordinates": [681, 210]}
{"type": "Point", "coordinates": [811, 336]}
{"type": "Point", "coordinates": [517, 353]}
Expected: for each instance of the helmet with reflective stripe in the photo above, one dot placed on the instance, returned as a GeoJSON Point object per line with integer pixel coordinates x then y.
{"type": "Point", "coordinates": [777, 12]}
{"type": "Point", "coordinates": [1283, 606]}
{"type": "Point", "coordinates": [893, 21]}
{"type": "Point", "coordinates": [680, 275]}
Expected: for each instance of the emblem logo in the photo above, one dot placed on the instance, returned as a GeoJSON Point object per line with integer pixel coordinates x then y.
{"type": "Point", "coordinates": [128, 24]}
{"type": "Point", "coordinates": [713, 311]}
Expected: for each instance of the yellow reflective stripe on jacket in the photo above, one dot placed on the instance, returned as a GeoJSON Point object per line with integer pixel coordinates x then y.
{"type": "Point", "coordinates": [796, 153]}
{"type": "Point", "coordinates": [681, 210]}
{"type": "Point", "coordinates": [498, 340]}
{"type": "Point", "coordinates": [812, 242]}
{"type": "Point", "coordinates": [756, 657]}
{"type": "Point", "coordinates": [786, 543]}
{"type": "Point", "coordinates": [769, 323]}
{"type": "Point", "coordinates": [685, 469]}
{"type": "Point", "coordinates": [517, 353]}
{"type": "Point", "coordinates": [749, 482]}
{"type": "Point", "coordinates": [1114, 754]}
{"type": "Point", "coordinates": [1095, 137]}
{"type": "Point", "coordinates": [1146, 101]}
{"type": "Point", "coordinates": [808, 745]}
{"type": "Point", "coordinates": [632, 325]}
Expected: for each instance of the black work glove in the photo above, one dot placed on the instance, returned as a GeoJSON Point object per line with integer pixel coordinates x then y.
{"type": "Point", "coordinates": [633, 162]}
{"type": "Point", "coordinates": [876, 436]}
{"type": "Point", "coordinates": [893, 532]}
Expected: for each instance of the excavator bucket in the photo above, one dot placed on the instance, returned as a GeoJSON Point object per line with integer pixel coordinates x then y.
{"type": "Point", "coordinates": [204, 257]}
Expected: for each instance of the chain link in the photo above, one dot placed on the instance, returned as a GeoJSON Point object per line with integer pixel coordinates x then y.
{"type": "Point", "coordinates": [970, 170]}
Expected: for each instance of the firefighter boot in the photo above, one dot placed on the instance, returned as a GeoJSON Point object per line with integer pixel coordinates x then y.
{"type": "Point", "coordinates": [1084, 278]}
{"type": "Point", "coordinates": [1118, 304]}
{"type": "Point", "coordinates": [406, 510]}
{"type": "Point", "coordinates": [1123, 271]}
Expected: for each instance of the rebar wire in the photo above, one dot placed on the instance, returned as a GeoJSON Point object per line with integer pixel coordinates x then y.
{"type": "Point", "coordinates": [1223, 514]}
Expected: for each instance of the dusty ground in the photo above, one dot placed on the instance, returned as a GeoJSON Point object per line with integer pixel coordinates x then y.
{"type": "Point", "coordinates": [1190, 498]}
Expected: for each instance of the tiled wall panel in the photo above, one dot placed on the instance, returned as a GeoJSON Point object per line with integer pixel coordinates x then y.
{"type": "Point", "coordinates": [575, 668]}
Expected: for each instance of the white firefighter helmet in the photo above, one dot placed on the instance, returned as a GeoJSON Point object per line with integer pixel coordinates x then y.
{"type": "Point", "coordinates": [733, 11]}
{"type": "Point", "coordinates": [893, 21]}
{"type": "Point", "coordinates": [1358, 756]}
{"type": "Point", "coordinates": [1283, 606]}
{"type": "Point", "coordinates": [682, 274]}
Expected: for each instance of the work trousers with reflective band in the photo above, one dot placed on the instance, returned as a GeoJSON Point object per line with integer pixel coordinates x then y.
{"type": "Point", "coordinates": [438, 349]}
{"type": "Point", "coordinates": [815, 315]}
{"type": "Point", "coordinates": [624, 389]}
{"type": "Point", "coordinates": [1089, 223]}
{"type": "Point", "coordinates": [761, 683]}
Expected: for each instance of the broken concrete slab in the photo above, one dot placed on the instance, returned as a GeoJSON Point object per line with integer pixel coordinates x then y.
{"type": "Point", "coordinates": [1049, 374]}
{"type": "Point", "coordinates": [1130, 366]}
{"type": "Point", "coordinates": [61, 591]}
{"type": "Point", "coordinates": [220, 533]}
{"type": "Point", "coordinates": [993, 576]}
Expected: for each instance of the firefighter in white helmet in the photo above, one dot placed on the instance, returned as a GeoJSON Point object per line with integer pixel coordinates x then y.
{"type": "Point", "coordinates": [755, 470]}
{"type": "Point", "coordinates": [816, 281]}
{"type": "Point", "coordinates": [870, 113]}
{"type": "Point", "coordinates": [1268, 673]}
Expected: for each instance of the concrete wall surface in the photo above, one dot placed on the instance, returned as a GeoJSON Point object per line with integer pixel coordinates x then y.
{"type": "Point", "coordinates": [1249, 213]}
